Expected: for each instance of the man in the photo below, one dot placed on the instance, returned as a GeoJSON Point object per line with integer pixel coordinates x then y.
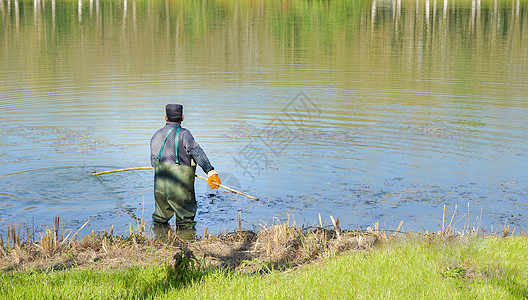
{"type": "Point", "coordinates": [174, 154]}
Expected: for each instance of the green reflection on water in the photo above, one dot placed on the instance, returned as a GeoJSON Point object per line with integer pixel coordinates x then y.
{"type": "Point", "coordinates": [460, 47]}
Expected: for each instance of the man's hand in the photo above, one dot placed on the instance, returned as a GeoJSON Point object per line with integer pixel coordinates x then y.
{"type": "Point", "coordinates": [213, 180]}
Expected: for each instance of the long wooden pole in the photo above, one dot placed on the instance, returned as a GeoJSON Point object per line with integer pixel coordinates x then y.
{"type": "Point", "coordinates": [148, 168]}
{"type": "Point", "coordinates": [121, 170]}
{"type": "Point", "coordinates": [228, 188]}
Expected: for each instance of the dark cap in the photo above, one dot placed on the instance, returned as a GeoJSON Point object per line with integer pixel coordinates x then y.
{"type": "Point", "coordinates": [174, 112]}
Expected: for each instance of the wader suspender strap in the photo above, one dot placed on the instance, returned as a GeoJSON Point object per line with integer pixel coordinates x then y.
{"type": "Point", "coordinates": [176, 142]}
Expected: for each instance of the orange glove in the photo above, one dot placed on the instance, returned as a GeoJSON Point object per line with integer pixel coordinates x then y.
{"type": "Point", "coordinates": [214, 181]}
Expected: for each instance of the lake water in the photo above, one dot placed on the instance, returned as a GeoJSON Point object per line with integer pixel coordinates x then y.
{"type": "Point", "coordinates": [369, 111]}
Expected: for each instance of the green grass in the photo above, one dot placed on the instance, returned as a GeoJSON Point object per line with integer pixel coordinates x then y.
{"type": "Point", "coordinates": [469, 267]}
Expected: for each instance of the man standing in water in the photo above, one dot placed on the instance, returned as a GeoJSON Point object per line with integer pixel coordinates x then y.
{"type": "Point", "coordinates": [174, 154]}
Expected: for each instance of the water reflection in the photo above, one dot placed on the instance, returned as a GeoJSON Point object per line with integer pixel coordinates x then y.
{"type": "Point", "coordinates": [182, 19]}
{"type": "Point", "coordinates": [421, 103]}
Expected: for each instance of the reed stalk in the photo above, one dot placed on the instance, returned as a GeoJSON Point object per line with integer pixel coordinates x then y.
{"type": "Point", "coordinates": [239, 220]}
{"type": "Point", "coordinates": [449, 227]}
{"type": "Point", "coordinates": [336, 227]}
{"type": "Point", "coordinates": [18, 233]}
{"type": "Point", "coordinates": [506, 231]}
{"type": "Point", "coordinates": [80, 230]}
{"type": "Point", "coordinates": [398, 229]}
{"type": "Point", "coordinates": [143, 209]}
{"type": "Point", "coordinates": [443, 220]}
{"type": "Point", "coordinates": [103, 245]}
{"type": "Point", "coordinates": [14, 236]}
{"type": "Point", "coordinates": [55, 231]}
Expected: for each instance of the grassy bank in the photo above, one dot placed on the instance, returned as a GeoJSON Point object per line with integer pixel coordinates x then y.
{"type": "Point", "coordinates": [410, 266]}
{"type": "Point", "coordinates": [491, 268]}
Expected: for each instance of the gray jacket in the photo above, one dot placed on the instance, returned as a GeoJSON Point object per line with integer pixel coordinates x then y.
{"type": "Point", "coordinates": [188, 148]}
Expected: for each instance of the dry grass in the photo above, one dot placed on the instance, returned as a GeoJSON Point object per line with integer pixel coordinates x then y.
{"type": "Point", "coordinates": [275, 247]}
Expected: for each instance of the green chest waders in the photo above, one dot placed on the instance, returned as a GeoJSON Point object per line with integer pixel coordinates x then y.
{"type": "Point", "coordinates": [174, 189]}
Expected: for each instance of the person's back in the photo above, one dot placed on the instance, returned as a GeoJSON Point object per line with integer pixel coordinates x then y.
{"type": "Point", "coordinates": [174, 154]}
